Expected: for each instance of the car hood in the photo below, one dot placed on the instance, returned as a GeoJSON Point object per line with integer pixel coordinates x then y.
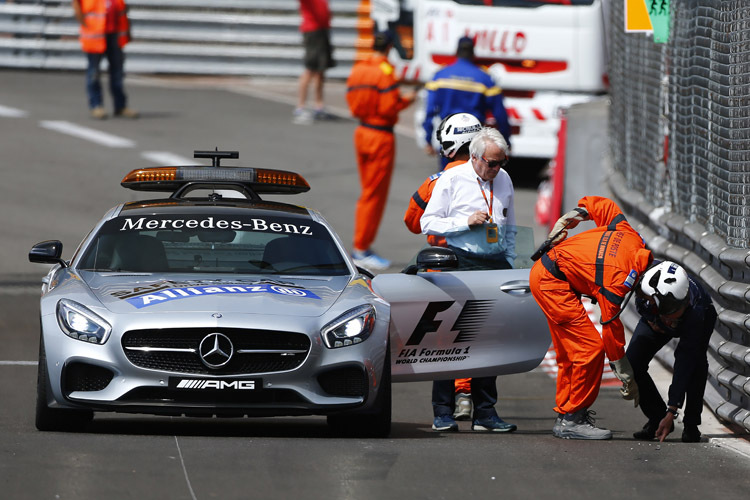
{"type": "Point", "coordinates": [147, 293]}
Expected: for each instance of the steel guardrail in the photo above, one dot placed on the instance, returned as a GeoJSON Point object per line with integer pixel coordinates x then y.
{"type": "Point", "coordinates": [222, 37]}
{"type": "Point", "coordinates": [717, 266]}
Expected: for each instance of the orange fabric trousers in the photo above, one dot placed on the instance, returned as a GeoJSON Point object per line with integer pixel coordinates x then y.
{"type": "Point", "coordinates": [577, 342]}
{"type": "Point", "coordinates": [375, 151]}
{"type": "Point", "coordinates": [463, 385]}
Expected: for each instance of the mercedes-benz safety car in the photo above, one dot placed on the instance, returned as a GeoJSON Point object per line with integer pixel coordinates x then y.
{"type": "Point", "coordinates": [214, 302]}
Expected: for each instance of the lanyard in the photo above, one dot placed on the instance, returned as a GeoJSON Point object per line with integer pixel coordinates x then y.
{"type": "Point", "coordinates": [492, 198]}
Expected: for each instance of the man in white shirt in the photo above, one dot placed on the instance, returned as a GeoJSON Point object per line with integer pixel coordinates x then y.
{"type": "Point", "coordinates": [472, 206]}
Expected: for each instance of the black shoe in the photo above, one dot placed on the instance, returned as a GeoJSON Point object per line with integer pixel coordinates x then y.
{"type": "Point", "coordinates": [648, 432]}
{"type": "Point", "coordinates": [691, 434]}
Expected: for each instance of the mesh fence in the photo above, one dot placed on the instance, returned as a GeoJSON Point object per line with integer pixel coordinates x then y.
{"type": "Point", "coordinates": [680, 126]}
{"type": "Point", "coordinates": [680, 143]}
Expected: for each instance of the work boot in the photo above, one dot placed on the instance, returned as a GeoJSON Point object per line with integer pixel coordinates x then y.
{"type": "Point", "coordinates": [557, 428]}
{"type": "Point", "coordinates": [463, 406]}
{"type": "Point", "coordinates": [98, 113]}
{"type": "Point", "coordinates": [580, 425]}
{"type": "Point", "coordinates": [691, 434]}
{"type": "Point", "coordinates": [127, 113]}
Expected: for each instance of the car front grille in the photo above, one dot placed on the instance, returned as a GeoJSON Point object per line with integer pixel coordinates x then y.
{"type": "Point", "coordinates": [177, 350]}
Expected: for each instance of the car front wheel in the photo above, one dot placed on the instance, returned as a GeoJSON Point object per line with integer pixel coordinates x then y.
{"type": "Point", "coordinates": [376, 422]}
{"type": "Point", "coordinates": [54, 419]}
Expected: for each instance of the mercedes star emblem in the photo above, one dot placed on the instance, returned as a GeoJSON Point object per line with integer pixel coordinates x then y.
{"type": "Point", "coordinates": [216, 350]}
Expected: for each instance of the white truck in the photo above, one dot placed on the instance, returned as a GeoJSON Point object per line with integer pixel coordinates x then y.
{"type": "Point", "coordinates": [544, 54]}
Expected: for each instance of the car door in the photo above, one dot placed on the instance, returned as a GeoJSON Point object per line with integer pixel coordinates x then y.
{"type": "Point", "coordinates": [453, 324]}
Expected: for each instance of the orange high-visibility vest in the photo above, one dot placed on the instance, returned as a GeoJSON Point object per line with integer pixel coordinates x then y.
{"type": "Point", "coordinates": [418, 203]}
{"type": "Point", "coordinates": [93, 28]}
{"type": "Point", "coordinates": [372, 92]}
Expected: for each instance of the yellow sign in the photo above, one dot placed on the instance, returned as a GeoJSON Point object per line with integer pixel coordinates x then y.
{"type": "Point", "coordinates": [636, 17]}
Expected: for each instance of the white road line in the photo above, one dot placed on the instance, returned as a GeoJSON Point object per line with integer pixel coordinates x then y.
{"type": "Point", "coordinates": [184, 470]}
{"type": "Point", "coordinates": [166, 158]}
{"type": "Point", "coordinates": [9, 112]}
{"type": "Point", "coordinates": [88, 134]}
{"type": "Point", "coordinates": [18, 363]}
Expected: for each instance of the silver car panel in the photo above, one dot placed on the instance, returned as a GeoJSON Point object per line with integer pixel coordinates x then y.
{"type": "Point", "coordinates": [462, 324]}
{"type": "Point", "coordinates": [223, 312]}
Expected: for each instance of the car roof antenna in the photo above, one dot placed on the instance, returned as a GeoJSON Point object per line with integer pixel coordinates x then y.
{"type": "Point", "coordinates": [216, 155]}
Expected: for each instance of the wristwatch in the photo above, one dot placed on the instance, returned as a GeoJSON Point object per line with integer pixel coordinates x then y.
{"type": "Point", "coordinates": [673, 412]}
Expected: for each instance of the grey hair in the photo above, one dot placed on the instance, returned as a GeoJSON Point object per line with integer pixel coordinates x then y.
{"type": "Point", "coordinates": [484, 137]}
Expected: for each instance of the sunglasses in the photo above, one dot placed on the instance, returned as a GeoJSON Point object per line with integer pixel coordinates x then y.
{"type": "Point", "coordinates": [496, 163]}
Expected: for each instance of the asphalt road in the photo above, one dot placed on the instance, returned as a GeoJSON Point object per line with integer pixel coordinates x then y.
{"type": "Point", "coordinates": [56, 186]}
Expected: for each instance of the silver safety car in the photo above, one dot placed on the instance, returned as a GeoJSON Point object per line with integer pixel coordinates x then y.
{"type": "Point", "coordinates": [212, 301]}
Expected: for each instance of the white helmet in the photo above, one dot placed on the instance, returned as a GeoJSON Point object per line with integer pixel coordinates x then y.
{"type": "Point", "coordinates": [456, 130]}
{"type": "Point", "coordinates": [667, 284]}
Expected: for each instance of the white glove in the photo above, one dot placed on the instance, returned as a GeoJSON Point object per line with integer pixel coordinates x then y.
{"type": "Point", "coordinates": [567, 221]}
{"type": "Point", "coordinates": [624, 372]}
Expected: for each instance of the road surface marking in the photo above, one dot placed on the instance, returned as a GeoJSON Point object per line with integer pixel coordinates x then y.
{"type": "Point", "coordinates": [88, 134]}
{"type": "Point", "coordinates": [9, 112]}
{"type": "Point", "coordinates": [184, 470]}
{"type": "Point", "coordinates": [166, 158]}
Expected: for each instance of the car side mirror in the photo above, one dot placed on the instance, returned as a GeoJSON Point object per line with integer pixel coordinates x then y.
{"type": "Point", "coordinates": [365, 272]}
{"type": "Point", "coordinates": [437, 258]}
{"type": "Point", "coordinates": [47, 252]}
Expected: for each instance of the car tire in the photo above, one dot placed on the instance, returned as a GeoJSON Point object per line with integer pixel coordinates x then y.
{"type": "Point", "coordinates": [54, 419]}
{"type": "Point", "coordinates": [376, 422]}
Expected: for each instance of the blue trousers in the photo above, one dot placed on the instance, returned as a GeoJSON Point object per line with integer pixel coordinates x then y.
{"type": "Point", "coordinates": [483, 397]}
{"type": "Point", "coordinates": [116, 60]}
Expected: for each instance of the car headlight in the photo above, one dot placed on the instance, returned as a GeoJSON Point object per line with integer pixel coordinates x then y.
{"type": "Point", "coordinates": [350, 328]}
{"type": "Point", "coordinates": [81, 323]}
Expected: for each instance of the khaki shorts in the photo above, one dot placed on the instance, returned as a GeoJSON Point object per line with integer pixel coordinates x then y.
{"type": "Point", "coordinates": [318, 50]}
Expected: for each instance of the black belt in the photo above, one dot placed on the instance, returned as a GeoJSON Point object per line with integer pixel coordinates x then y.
{"type": "Point", "coordinates": [551, 266]}
{"type": "Point", "coordinates": [382, 128]}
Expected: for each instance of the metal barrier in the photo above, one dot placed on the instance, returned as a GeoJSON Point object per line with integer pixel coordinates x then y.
{"type": "Point", "coordinates": [231, 37]}
{"type": "Point", "coordinates": [680, 142]}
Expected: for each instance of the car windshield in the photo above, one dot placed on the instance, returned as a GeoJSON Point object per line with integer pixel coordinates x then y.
{"type": "Point", "coordinates": [201, 243]}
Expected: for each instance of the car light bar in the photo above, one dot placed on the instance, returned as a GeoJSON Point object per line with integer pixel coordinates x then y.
{"type": "Point", "coordinates": [259, 180]}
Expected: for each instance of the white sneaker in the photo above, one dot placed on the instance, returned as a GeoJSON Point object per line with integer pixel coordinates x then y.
{"type": "Point", "coordinates": [302, 116]}
{"type": "Point", "coordinates": [370, 260]}
{"type": "Point", "coordinates": [462, 408]}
